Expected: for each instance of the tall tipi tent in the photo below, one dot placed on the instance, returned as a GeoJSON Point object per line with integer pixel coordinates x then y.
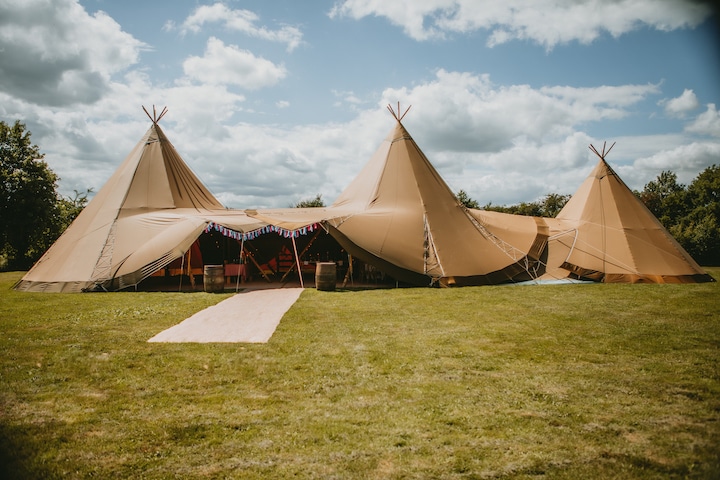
{"type": "Point", "coordinates": [605, 233]}
{"type": "Point", "coordinates": [147, 214]}
{"type": "Point", "coordinates": [400, 215]}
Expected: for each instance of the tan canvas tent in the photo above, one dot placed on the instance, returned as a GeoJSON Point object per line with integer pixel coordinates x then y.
{"type": "Point", "coordinates": [147, 214]}
{"type": "Point", "coordinates": [400, 216]}
{"type": "Point", "coordinates": [605, 233]}
{"type": "Point", "coordinates": [397, 215]}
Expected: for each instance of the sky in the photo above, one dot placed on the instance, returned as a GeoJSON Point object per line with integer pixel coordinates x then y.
{"type": "Point", "coordinates": [273, 102]}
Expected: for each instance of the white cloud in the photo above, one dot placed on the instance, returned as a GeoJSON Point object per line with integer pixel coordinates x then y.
{"type": "Point", "coordinates": [84, 146]}
{"type": "Point", "coordinates": [229, 65]}
{"type": "Point", "coordinates": [612, 96]}
{"type": "Point", "coordinates": [243, 21]}
{"type": "Point", "coordinates": [501, 144]}
{"type": "Point", "coordinates": [526, 171]}
{"type": "Point", "coordinates": [60, 55]}
{"type": "Point", "coordinates": [546, 22]}
{"type": "Point", "coordinates": [348, 100]}
{"type": "Point", "coordinates": [685, 160]}
{"type": "Point", "coordinates": [506, 144]}
{"type": "Point", "coordinates": [679, 106]}
{"type": "Point", "coordinates": [465, 112]}
{"type": "Point", "coordinates": [707, 123]}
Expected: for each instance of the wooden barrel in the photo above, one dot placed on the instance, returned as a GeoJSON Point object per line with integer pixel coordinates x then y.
{"type": "Point", "coordinates": [214, 278]}
{"type": "Point", "coordinates": [325, 276]}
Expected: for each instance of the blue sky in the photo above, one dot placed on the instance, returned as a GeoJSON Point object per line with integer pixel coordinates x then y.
{"type": "Point", "coordinates": [272, 102]}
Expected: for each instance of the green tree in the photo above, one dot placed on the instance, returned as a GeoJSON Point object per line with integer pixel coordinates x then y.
{"type": "Point", "coordinates": [552, 203]}
{"type": "Point", "coordinates": [314, 202]}
{"type": "Point", "coordinates": [698, 231]}
{"type": "Point", "coordinates": [28, 199]}
{"type": "Point", "coordinates": [68, 208]}
{"type": "Point", "coordinates": [691, 214]}
{"type": "Point", "coordinates": [530, 209]}
{"type": "Point", "coordinates": [665, 198]}
{"type": "Point", "coordinates": [705, 189]}
{"type": "Point", "coordinates": [465, 199]}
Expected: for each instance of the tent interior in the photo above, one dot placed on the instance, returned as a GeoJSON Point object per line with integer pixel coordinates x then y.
{"type": "Point", "coordinates": [267, 260]}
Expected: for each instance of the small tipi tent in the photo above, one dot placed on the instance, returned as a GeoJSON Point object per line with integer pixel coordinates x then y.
{"type": "Point", "coordinates": [605, 233]}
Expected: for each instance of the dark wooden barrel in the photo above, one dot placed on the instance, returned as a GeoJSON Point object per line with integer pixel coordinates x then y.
{"type": "Point", "coordinates": [214, 278]}
{"type": "Point", "coordinates": [325, 276]}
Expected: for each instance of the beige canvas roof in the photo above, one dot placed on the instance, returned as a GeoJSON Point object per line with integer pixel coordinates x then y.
{"type": "Point", "coordinates": [398, 215]}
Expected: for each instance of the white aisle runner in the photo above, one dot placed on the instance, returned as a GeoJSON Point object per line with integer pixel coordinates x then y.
{"type": "Point", "coordinates": [248, 317]}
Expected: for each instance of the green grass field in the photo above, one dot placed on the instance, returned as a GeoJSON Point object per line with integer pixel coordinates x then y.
{"type": "Point", "coordinates": [566, 381]}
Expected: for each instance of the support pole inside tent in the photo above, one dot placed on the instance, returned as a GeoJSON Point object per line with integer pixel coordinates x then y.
{"type": "Point", "coordinates": [189, 268]}
{"type": "Point", "coordinates": [349, 274]}
{"type": "Point", "coordinates": [297, 262]}
{"type": "Point", "coordinates": [242, 264]}
{"type": "Point", "coordinates": [182, 268]}
{"type": "Point", "coordinates": [307, 247]}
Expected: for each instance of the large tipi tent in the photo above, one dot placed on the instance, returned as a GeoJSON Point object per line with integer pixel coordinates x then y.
{"type": "Point", "coordinates": [605, 233]}
{"type": "Point", "coordinates": [402, 215]}
{"type": "Point", "coordinates": [397, 215]}
{"type": "Point", "coordinates": [148, 213]}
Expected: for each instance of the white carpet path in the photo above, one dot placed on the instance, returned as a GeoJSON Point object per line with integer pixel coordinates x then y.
{"type": "Point", "coordinates": [247, 317]}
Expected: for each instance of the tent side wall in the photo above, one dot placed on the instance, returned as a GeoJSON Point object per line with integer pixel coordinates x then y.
{"type": "Point", "coordinates": [635, 278]}
{"type": "Point", "coordinates": [52, 287]}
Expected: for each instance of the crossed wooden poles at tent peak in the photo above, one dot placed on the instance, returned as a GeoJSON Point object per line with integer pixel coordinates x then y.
{"type": "Point", "coordinates": [397, 115]}
{"type": "Point", "coordinates": [603, 153]}
{"type": "Point", "coordinates": [154, 117]}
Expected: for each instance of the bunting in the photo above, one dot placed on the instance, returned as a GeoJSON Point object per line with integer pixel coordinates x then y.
{"type": "Point", "coordinates": [260, 231]}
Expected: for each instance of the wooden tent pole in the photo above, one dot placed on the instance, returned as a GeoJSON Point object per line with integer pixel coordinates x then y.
{"type": "Point", "coordinates": [307, 247]}
{"type": "Point", "coordinates": [260, 269]}
{"type": "Point", "coordinates": [349, 274]}
{"type": "Point", "coordinates": [604, 153]}
{"type": "Point", "coordinates": [182, 267]}
{"type": "Point", "coordinates": [397, 114]}
{"type": "Point", "coordinates": [297, 262]}
{"type": "Point", "coordinates": [242, 265]}
{"type": "Point", "coordinates": [155, 118]}
{"type": "Point", "coordinates": [189, 268]}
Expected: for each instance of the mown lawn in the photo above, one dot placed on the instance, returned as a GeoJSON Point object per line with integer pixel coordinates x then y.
{"type": "Point", "coordinates": [567, 381]}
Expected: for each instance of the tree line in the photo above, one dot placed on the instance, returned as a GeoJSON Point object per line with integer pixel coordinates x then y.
{"type": "Point", "coordinates": [33, 214]}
